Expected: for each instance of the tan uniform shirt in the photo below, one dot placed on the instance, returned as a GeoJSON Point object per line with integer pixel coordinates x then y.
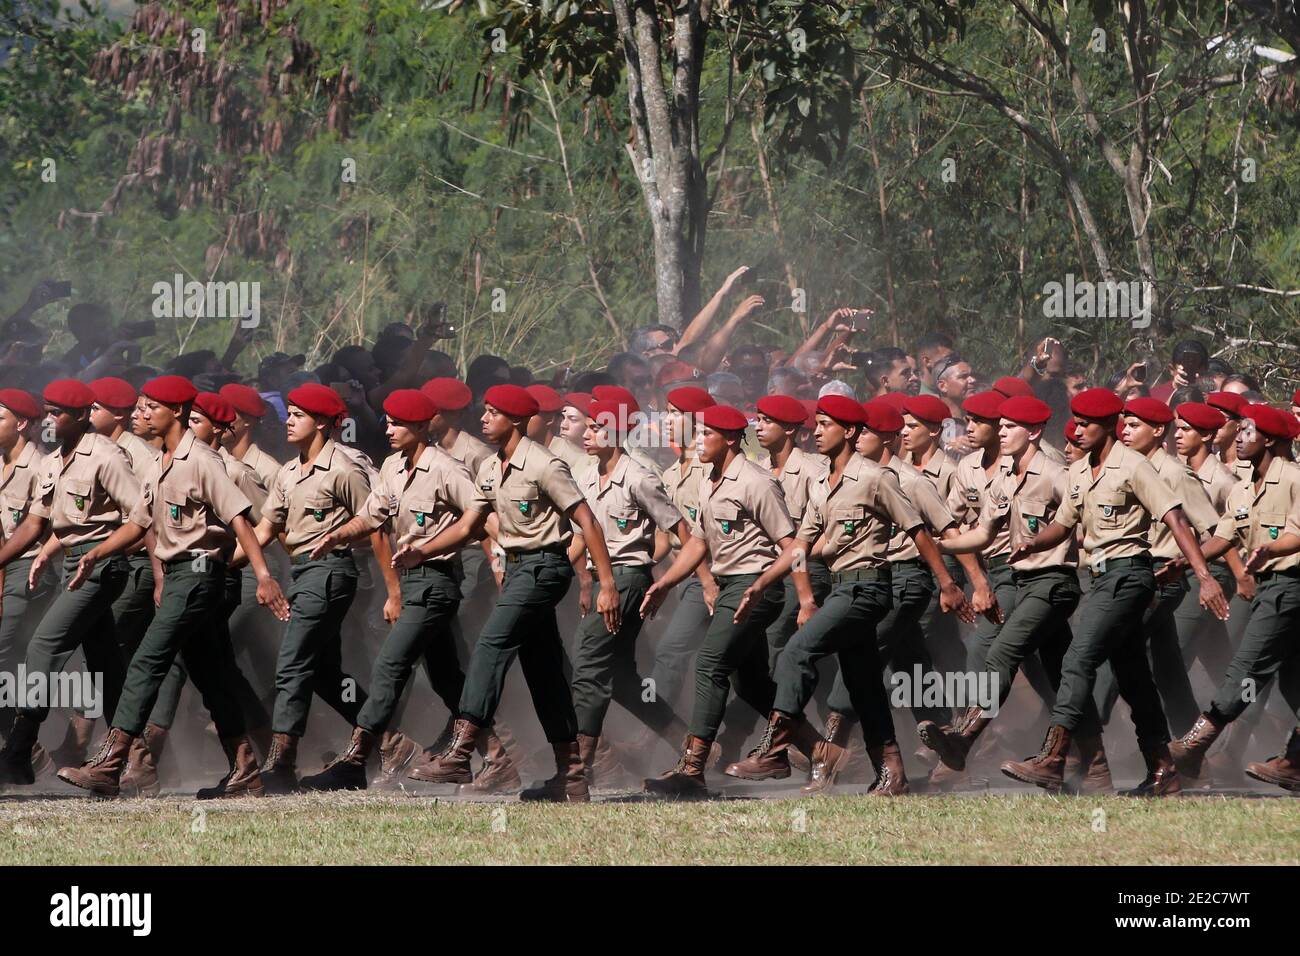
{"type": "Point", "coordinates": [941, 472]}
{"type": "Point", "coordinates": [1254, 518]}
{"type": "Point", "coordinates": [312, 502]}
{"type": "Point", "coordinates": [796, 480]}
{"type": "Point", "coordinates": [1218, 481]}
{"type": "Point", "coordinates": [1026, 504]}
{"type": "Point", "coordinates": [1118, 507]}
{"type": "Point", "coordinates": [682, 482]}
{"type": "Point", "coordinates": [248, 481]}
{"type": "Point", "coordinates": [970, 495]}
{"type": "Point", "coordinates": [139, 452]}
{"type": "Point", "coordinates": [470, 450]}
{"type": "Point", "coordinates": [580, 463]}
{"type": "Point", "coordinates": [856, 515]}
{"type": "Point", "coordinates": [925, 498]}
{"type": "Point", "coordinates": [629, 506]}
{"type": "Point", "coordinates": [1051, 453]}
{"type": "Point", "coordinates": [531, 494]}
{"type": "Point", "coordinates": [262, 463]}
{"type": "Point", "coordinates": [17, 489]}
{"type": "Point", "coordinates": [1187, 488]}
{"type": "Point", "coordinates": [743, 518]}
{"type": "Point", "coordinates": [421, 501]}
{"type": "Point", "coordinates": [189, 503]}
{"type": "Point", "coordinates": [88, 497]}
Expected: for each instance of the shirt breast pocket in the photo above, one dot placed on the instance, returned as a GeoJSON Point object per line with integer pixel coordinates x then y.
{"type": "Point", "coordinates": [1033, 514]}
{"type": "Point", "coordinates": [421, 516]}
{"type": "Point", "coordinates": [846, 520]}
{"type": "Point", "coordinates": [524, 503]}
{"type": "Point", "coordinates": [622, 522]}
{"type": "Point", "coordinates": [1272, 523]}
{"type": "Point", "coordinates": [177, 513]}
{"type": "Point", "coordinates": [1111, 509]}
{"type": "Point", "coordinates": [726, 519]}
{"type": "Point", "coordinates": [77, 497]}
{"type": "Point", "coordinates": [15, 509]}
{"type": "Point", "coordinates": [317, 509]}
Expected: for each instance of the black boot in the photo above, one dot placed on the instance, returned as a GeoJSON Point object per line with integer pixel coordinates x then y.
{"type": "Point", "coordinates": [16, 755]}
{"type": "Point", "coordinates": [348, 771]}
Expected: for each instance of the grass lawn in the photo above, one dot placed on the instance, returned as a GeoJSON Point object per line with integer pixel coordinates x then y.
{"type": "Point", "coordinates": [371, 828]}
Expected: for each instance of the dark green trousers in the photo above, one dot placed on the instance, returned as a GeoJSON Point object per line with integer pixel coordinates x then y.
{"type": "Point", "coordinates": [734, 655]}
{"type": "Point", "coordinates": [431, 595]}
{"type": "Point", "coordinates": [23, 610]}
{"type": "Point", "coordinates": [1270, 645]}
{"type": "Point", "coordinates": [899, 638]}
{"type": "Point", "coordinates": [81, 618]}
{"type": "Point", "coordinates": [523, 623]}
{"type": "Point", "coordinates": [943, 632]}
{"type": "Point", "coordinates": [846, 626]}
{"type": "Point", "coordinates": [1002, 582]}
{"type": "Point", "coordinates": [169, 695]}
{"type": "Point", "coordinates": [677, 644]}
{"type": "Point", "coordinates": [1111, 629]}
{"type": "Point", "coordinates": [134, 609]}
{"type": "Point", "coordinates": [1159, 629]}
{"type": "Point", "coordinates": [604, 667]}
{"type": "Point", "coordinates": [1040, 621]}
{"type": "Point", "coordinates": [1196, 634]}
{"type": "Point", "coordinates": [190, 623]}
{"type": "Point", "coordinates": [311, 651]}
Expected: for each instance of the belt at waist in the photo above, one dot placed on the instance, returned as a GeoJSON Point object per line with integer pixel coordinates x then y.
{"type": "Point", "coordinates": [513, 557]}
{"type": "Point", "coordinates": [883, 573]}
{"type": "Point", "coordinates": [1101, 566]}
{"type": "Point", "coordinates": [306, 558]}
{"type": "Point", "coordinates": [200, 563]}
{"type": "Point", "coordinates": [79, 550]}
{"type": "Point", "coordinates": [1262, 576]}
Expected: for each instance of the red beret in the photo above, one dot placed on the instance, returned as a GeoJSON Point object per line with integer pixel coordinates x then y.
{"type": "Point", "coordinates": [896, 400]}
{"type": "Point", "coordinates": [409, 405]}
{"type": "Point", "coordinates": [810, 412]}
{"type": "Point", "coordinates": [1295, 427]}
{"type": "Point", "coordinates": [927, 408]}
{"type": "Point", "coordinates": [615, 393]}
{"type": "Point", "coordinates": [1026, 410]}
{"type": "Point", "coordinates": [244, 399]}
{"type": "Point", "coordinates": [676, 371]}
{"type": "Point", "coordinates": [317, 399]}
{"type": "Point", "coordinates": [170, 389]}
{"type": "Point", "coordinates": [1271, 421]}
{"type": "Point", "coordinates": [1202, 416]}
{"type": "Point", "coordinates": [579, 400]}
{"type": "Point", "coordinates": [1295, 397]}
{"type": "Point", "coordinates": [68, 393]}
{"type": "Point", "coordinates": [883, 417]}
{"type": "Point", "coordinates": [1096, 403]}
{"type": "Point", "coordinates": [1012, 386]}
{"type": "Point", "coordinates": [20, 403]}
{"type": "Point", "coordinates": [216, 408]}
{"type": "Point", "coordinates": [511, 400]}
{"type": "Point", "coordinates": [782, 408]}
{"type": "Point", "coordinates": [1149, 410]}
{"type": "Point", "coordinates": [1230, 403]}
{"type": "Point", "coordinates": [690, 398]}
{"type": "Point", "coordinates": [843, 409]}
{"type": "Point", "coordinates": [614, 416]}
{"type": "Point", "coordinates": [548, 399]}
{"type": "Point", "coordinates": [725, 418]}
{"type": "Point", "coordinates": [113, 392]}
{"type": "Point", "coordinates": [448, 394]}
{"type": "Point", "coordinates": [984, 405]}
{"type": "Point", "coordinates": [1072, 432]}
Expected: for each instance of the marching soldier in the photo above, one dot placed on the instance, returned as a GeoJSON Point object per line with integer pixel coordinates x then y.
{"type": "Point", "coordinates": [743, 527]}
{"type": "Point", "coordinates": [1263, 517]}
{"type": "Point", "coordinates": [1116, 495]}
{"type": "Point", "coordinates": [855, 505]}
{"type": "Point", "coordinates": [250, 408]}
{"type": "Point", "coordinates": [196, 514]}
{"type": "Point", "coordinates": [535, 504]}
{"type": "Point", "coordinates": [545, 428]}
{"type": "Point", "coordinates": [314, 494]}
{"type": "Point", "coordinates": [85, 490]}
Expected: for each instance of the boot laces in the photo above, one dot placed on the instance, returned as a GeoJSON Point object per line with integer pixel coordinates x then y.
{"type": "Point", "coordinates": [764, 745]}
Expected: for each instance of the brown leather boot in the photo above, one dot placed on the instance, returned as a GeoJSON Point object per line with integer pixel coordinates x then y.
{"type": "Point", "coordinates": [829, 755]}
{"type": "Point", "coordinates": [72, 751]}
{"type": "Point", "coordinates": [453, 764]}
{"type": "Point", "coordinates": [770, 760]}
{"type": "Point", "coordinates": [16, 755]}
{"type": "Point", "coordinates": [279, 776]}
{"type": "Point", "coordinates": [396, 752]}
{"type": "Point", "coordinates": [953, 743]}
{"type": "Point", "coordinates": [1188, 752]}
{"type": "Point", "coordinates": [1281, 771]}
{"type": "Point", "coordinates": [1094, 770]}
{"type": "Point", "coordinates": [100, 775]}
{"type": "Point", "coordinates": [140, 778]}
{"type": "Point", "coordinates": [569, 785]}
{"type": "Point", "coordinates": [1047, 767]}
{"type": "Point", "coordinates": [440, 744]}
{"type": "Point", "coordinates": [1162, 775]}
{"type": "Point", "coordinates": [687, 778]}
{"type": "Point", "coordinates": [891, 779]}
{"type": "Point", "coordinates": [498, 774]}
{"type": "Point", "coordinates": [244, 779]}
{"type": "Point", "coordinates": [587, 754]}
{"type": "Point", "coordinates": [609, 767]}
{"type": "Point", "coordinates": [348, 770]}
